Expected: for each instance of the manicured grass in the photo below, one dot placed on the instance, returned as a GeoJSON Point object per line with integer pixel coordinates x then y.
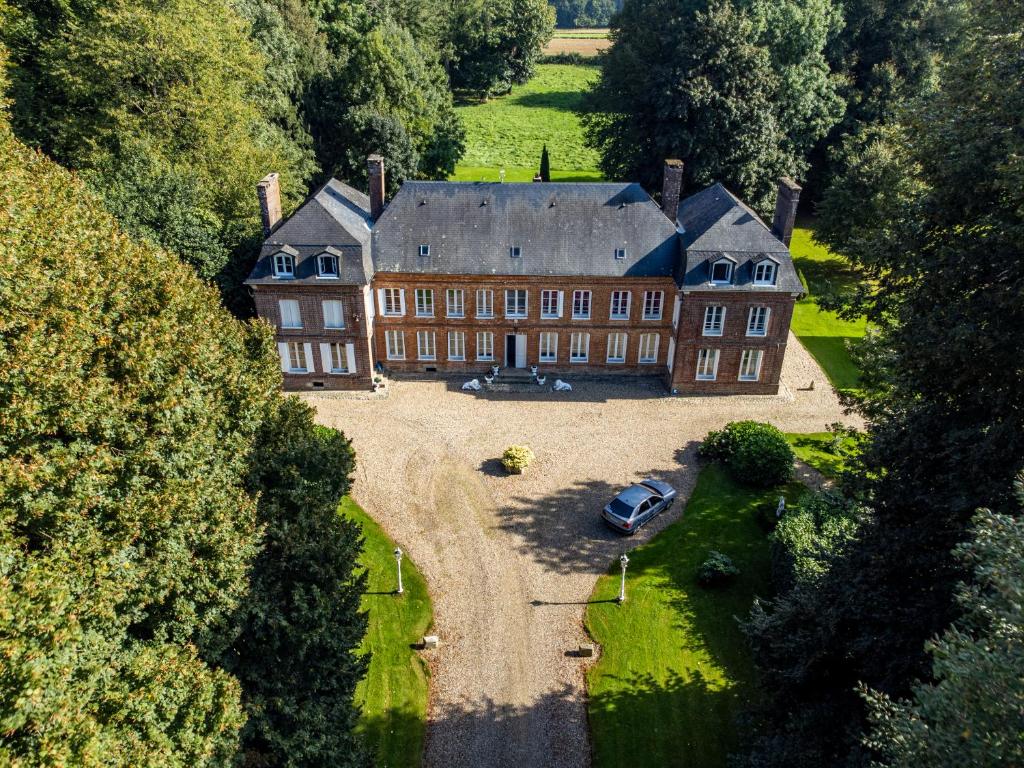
{"type": "Point", "coordinates": [675, 670]}
{"type": "Point", "coordinates": [823, 333]}
{"type": "Point", "coordinates": [814, 448]}
{"type": "Point", "coordinates": [393, 696]}
{"type": "Point", "coordinates": [510, 131]}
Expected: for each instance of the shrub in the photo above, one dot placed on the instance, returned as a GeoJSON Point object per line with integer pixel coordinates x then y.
{"type": "Point", "coordinates": [717, 570]}
{"type": "Point", "coordinates": [517, 458]}
{"type": "Point", "coordinates": [756, 454]}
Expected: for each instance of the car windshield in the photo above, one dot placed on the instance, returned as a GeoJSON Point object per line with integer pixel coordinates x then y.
{"type": "Point", "coordinates": [620, 508]}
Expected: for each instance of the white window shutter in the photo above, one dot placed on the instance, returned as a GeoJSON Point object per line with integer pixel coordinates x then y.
{"type": "Point", "coordinates": [380, 299]}
{"type": "Point", "coordinates": [401, 300]}
{"type": "Point", "coordinates": [561, 297]}
{"type": "Point", "coordinates": [675, 312]}
{"type": "Point", "coordinates": [309, 357]}
{"type": "Point", "coordinates": [670, 360]}
{"type": "Point", "coordinates": [350, 352]}
{"type": "Point", "coordinates": [325, 357]}
{"type": "Point", "coordinates": [282, 350]}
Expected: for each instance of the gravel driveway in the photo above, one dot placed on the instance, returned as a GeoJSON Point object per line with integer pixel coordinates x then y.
{"type": "Point", "coordinates": [511, 561]}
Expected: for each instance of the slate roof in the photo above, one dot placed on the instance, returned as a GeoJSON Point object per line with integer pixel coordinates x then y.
{"type": "Point", "coordinates": [713, 223]}
{"type": "Point", "coordinates": [336, 217]}
{"type": "Point", "coordinates": [561, 228]}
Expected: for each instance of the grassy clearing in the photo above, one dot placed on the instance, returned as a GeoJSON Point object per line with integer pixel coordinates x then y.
{"type": "Point", "coordinates": [815, 449]}
{"type": "Point", "coordinates": [510, 131]}
{"type": "Point", "coordinates": [675, 670]}
{"type": "Point", "coordinates": [393, 696]}
{"type": "Point", "coordinates": [823, 333]}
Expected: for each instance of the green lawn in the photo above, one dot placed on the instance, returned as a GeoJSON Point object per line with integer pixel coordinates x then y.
{"type": "Point", "coordinates": [393, 695]}
{"type": "Point", "coordinates": [509, 132]}
{"type": "Point", "coordinates": [675, 670]}
{"type": "Point", "coordinates": [823, 333]}
{"type": "Point", "coordinates": [814, 448]}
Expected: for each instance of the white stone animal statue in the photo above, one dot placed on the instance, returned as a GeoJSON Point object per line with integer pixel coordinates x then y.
{"type": "Point", "coordinates": [473, 384]}
{"type": "Point", "coordinates": [562, 386]}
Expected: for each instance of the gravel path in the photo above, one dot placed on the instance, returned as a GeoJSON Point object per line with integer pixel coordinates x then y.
{"type": "Point", "coordinates": [511, 561]}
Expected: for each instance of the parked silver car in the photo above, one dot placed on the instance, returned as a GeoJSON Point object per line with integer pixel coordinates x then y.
{"type": "Point", "coordinates": [638, 504]}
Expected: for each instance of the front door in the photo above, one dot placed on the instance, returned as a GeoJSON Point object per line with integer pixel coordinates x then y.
{"type": "Point", "coordinates": [521, 351]}
{"type": "Point", "coordinates": [510, 350]}
{"type": "Point", "coordinates": [515, 350]}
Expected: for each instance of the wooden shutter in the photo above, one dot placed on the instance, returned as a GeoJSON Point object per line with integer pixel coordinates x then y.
{"type": "Point", "coordinates": [325, 357]}
{"type": "Point", "coordinates": [310, 365]}
{"type": "Point", "coordinates": [380, 300]}
{"type": "Point", "coordinates": [401, 301]}
{"type": "Point", "coordinates": [282, 350]}
{"type": "Point", "coordinates": [561, 296]}
{"type": "Point", "coordinates": [350, 352]}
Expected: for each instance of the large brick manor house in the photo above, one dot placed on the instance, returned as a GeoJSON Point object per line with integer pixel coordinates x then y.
{"type": "Point", "coordinates": [570, 277]}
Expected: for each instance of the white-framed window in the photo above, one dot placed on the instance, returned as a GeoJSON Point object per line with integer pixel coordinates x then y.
{"type": "Point", "coordinates": [284, 265]}
{"type": "Point", "coordinates": [707, 365]}
{"type": "Point", "coordinates": [339, 358]}
{"type": "Point", "coordinates": [550, 304]}
{"type": "Point", "coordinates": [579, 347]}
{"type": "Point", "coordinates": [648, 351]}
{"type": "Point", "coordinates": [620, 305]}
{"type": "Point", "coordinates": [620, 253]}
{"type": "Point", "coordinates": [484, 303]}
{"type": "Point", "coordinates": [425, 347]}
{"type": "Point", "coordinates": [548, 347]}
{"type": "Point", "coordinates": [424, 249]}
{"type": "Point", "coordinates": [764, 272]}
{"type": "Point", "coordinates": [750, 364]}
{"type": "Point", "coordinates": [757, 321]}
{"type": "Point", "coordinates": [456, 345]}
{"type": "Point", "coordinates": [290, 316]}
{"type": "Point", "coordinates": [455, 302]}
{"type": "Point", "coordinates": [581, 305]}
{"type": "Point", "coordinates": [653, 301]}
{"type": "Point", "coordinates": [424, 302]}
{"type": "Point", "coordinates": [297, 362]}
{"type": "Point", "coordinates": [617, 347]}
{"type": "Point", "coordinates": [327, 265]}
{"type": "Point", "coordinates": [392, 302]}
{"type": "Point", "coordinates": [515, 252]}
{"type": "Point", "coordinates": [515, 302]}
{"type": "Point", "coordinates": [721, 271]}
{"type": "Point", "coordinates": [485, 345]}
{"type": "Point", "coordinates": [714, 321]}
{"type": "Point", "coordinates": [334, 315]}
{"type": "Point", "coordinates": [395, 342]}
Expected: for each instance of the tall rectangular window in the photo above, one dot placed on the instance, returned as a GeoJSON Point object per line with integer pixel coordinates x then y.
{"type": "Point", "coordinates": [617, 347]}
{"type": "Point", "coordinates": [284, 265]}
{"type": "Point", "coordinates": [334, 315]}
{"type": "Point", "coordinates": [327, 265]}
{"type": "Point", "coordinates": [707, 365]}
{"type": "Point", "coordinates": [620, 305]}
{"type": "Point", "coordinates": [392, 304]}
{"type": "Point", "coordinates": [581, 305]}
{"type": "Point", "coordinates": [456, 345]}
{"type": "Point", "coordinates": [425, 349]}
{"type": "Point", "coordinates": [455, 302]}
{"type": "Point", "coordinates": [714, 321]}
{"type": "Point", "coordinates": [757, 321]}
{"type": "Point", "coordinates": [484, 303]}
{"type": "Point", "coordinates": [290, 317]}
{"type": "Point", "coordinates": [750, 364]}
{"type": "Point", "coordinates": [548, 347]}
{"type": "Point", "coordinates": [764, 272]}
{"type": "Point", "coordinates": [395, 341]}
{"type": "Point", "coordinates": [648, 352]}
{"type": "Point", "coordinates": [485, 346]}
{"type": "Point", "coordinates": [550, 304]}
{"type": "Point", "coordinates": [339, 358]}
{"type": "Point", "coordinates": [424, 302]}
{"type": "Point", "coordinates": [297, 362]}
{"type": "Point", "coordinates": [579, 347]}
{"type": "Point", "coordinates": [515, 302]}
{"type": "Point", "coordinates": [652, 304]}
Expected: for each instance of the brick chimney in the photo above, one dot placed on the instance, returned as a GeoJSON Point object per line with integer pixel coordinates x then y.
{"type": "Point", "coordinates": [785, 209]}
{"type": "Point", "coordinates": [375, 167]}
{"type": "Point", "coordinates": [269, 191]}
{"type": "Point", "coordinates": [671, 186]}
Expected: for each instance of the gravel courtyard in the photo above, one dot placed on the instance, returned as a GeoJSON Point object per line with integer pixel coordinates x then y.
{"type": "Point", "coordinates": [511, 560]}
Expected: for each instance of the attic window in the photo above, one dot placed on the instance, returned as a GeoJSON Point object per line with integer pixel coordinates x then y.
{"type": "Point", "coordinates": [424, 250]}
{"type": "Point", "coordinates": [284, 265]}
{"type": "Point", "coordinates": [327, 265]}
{"type": "Point", "coordinates": [620, 253]}
{"type": "Point", "coordinates": [515, 251]}
{"type": "Point", "coordinates": [721, 272]}
{"type": "Point", "coordinates": [764, 272]}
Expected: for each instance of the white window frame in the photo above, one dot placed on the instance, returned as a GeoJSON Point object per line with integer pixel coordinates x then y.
{"type": "Point", "coordinates": [619, 344]}
{"type": "Point", "coordinates": [707, 358]}
{"type": "Point", "coordinates": [620, 253]}
{"type": "Point", "coordinates": [547, 347]}
{"type": "Point", "coordinates": [752, 325]}
{"type": "Point", "coordinates": [297, 352]}
{"type": "Point", "coordinates": [576, 340]}
{"type": "Point", "coordinates": [339, 357]}
{"type": "Point", "coordinates": [484, 307]}
{"type": "Point", "coordinates": [291, 304]}
{"type": "Point", "coordinates": [424, 249]}
{"type": "Point", "coordinates": [711, 327]}
{"type": "Point", "coordinates": [424, 302]}
{"type": "Point", "coordinates": [515, 252]}
{"type": "Point", "coordinates": [647, 351]}
{"type": "Point", "coordinates": [616, 302]}
{"type": "Point", "coordinates": [485, 346]}
{"type": "Point", "coordinates": [455, 302]}
{"type": "Point", "coordinates": [550, 304]}
{"type": "Point", "coordinates": [393, 297]}
{"type": "Point", "coordinates": [330, 258]}
{"type": "Point", "coordinates": [284, 265]}
{"type": "Point", "coordinates": [580, 299]}
{"type": "Point", "coordinates": [654, 303]}
{"type": "Point", "coordinates": [748, 358]}
{"type": "Point", "coordinates": [328, 315]}
{"type": "Point", "coordinates": [526, 303]}
{"type": "Point", "coordinates": [728, 278]}
{"type": "Point", "coordinates": [426, 345]}
{"type": "Point", "coordinates": [768, 264]}
{"type": "Point", "coordinates": [457, 345]}
{"type": "Point", "coordinates": [394, 342]}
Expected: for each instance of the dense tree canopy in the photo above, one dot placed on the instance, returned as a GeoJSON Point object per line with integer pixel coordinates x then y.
{"type": "Point", "coordinates": [583, 13]}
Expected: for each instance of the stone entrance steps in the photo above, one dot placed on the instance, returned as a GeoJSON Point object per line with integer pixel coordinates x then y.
{"type": "Point", "coordinates": [515, 380]}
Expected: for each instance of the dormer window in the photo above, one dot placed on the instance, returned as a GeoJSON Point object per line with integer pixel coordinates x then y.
{"type": "Point", "coordinates": [284, 265]}
{"type": "Point", "coordinates": [620, 253]}
{"type": "Point", "coordinates": [327, 265]}
{"type": "Point", "coordinates": [515, 252]}
{"type": "Point", "coordinates": [721, 272]}
{"type": "Point", "coordinates": [764, 272]}
{"type": "Point", "coordinates": [425, 249]}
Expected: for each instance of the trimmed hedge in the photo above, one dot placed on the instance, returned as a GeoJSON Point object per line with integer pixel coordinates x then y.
{"type": "Point", "coordinates": [517, 458]}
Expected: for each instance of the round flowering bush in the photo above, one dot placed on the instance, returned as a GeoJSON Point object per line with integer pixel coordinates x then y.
{"type": "Point", "coordinates": [517, 458]}
{"type": "Point", "coordinates": [755, 453]}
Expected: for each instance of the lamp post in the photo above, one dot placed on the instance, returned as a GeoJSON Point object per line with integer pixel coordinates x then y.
{"type": "Point", "coordinates": [623, 561]}
{"type": "Point", "coordinates": [398, 560]}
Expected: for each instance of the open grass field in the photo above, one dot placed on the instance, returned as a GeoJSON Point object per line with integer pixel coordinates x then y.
{"type": "Point", "coordinates": [393, 695]}
{"type": "Point", "coordinates": [675, 670]}
{"type": "Point", "coordinates": [510, 131]}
